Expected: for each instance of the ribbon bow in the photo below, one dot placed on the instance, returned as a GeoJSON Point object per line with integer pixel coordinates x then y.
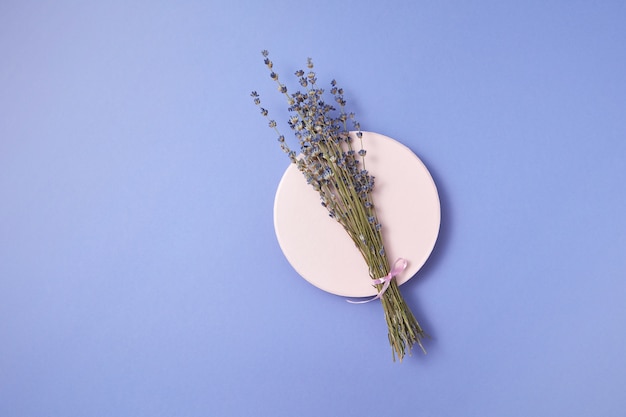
{"type": "Point", "coordinates": [398, 266]}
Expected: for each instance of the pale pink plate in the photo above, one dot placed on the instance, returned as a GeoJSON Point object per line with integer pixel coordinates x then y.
{"type": "Point", "coordinates": [321, 251]}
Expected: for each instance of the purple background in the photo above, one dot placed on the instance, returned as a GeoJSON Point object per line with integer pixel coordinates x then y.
{"type": "Point", "coordinates": [139, 271]}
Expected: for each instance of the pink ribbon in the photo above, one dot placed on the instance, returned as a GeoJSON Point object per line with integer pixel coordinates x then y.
{"type": "Point", "coordinates": [398, 266]}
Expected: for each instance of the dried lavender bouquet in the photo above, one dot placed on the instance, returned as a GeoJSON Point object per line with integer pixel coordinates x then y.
{"type": "Point", "coordinates": [336, 170]}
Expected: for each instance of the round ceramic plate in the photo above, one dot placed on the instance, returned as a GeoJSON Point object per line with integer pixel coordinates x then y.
{"type": "Point", "coordinates": [319, 248]}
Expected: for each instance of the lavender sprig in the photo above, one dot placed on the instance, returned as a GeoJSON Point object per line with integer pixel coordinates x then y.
{"type": "Point", "coordinates": [335, 169]}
